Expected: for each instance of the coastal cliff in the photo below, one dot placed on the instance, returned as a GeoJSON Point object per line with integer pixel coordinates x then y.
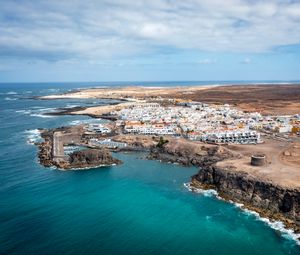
{"type": "Point", "coordinates": [267, 197]}
{"type": "Point", "coordinates": [263, 196]}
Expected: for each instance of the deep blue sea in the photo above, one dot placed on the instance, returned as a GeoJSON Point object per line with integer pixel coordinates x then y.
{"type": "Point", "coordinates": [139, 207]}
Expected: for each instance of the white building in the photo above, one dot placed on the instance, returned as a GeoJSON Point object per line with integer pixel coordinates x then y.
{"type": "Point", "coordinates": [98, 128]}
{"type": "Point", "coordinates": [240, 137]}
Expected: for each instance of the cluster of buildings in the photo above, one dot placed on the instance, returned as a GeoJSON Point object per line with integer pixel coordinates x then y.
{"type": "Point", "coordinates": [196, 121]}
{"type": "Point", "coordinates": [98, 128]}
{"type": "Point", "coordinates": [107, 143]}
{"type": "Point", "coordinates": [279, 124]}
{"type": "Point", "coordinates": [202, 122]}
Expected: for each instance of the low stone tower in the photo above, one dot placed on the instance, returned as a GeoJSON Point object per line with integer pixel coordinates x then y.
{"type": "Point", "coordinates": [258, 160]}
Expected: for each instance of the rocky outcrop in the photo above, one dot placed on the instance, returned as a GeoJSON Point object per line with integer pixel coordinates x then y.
{"type": "Point", "coordinates": [45, 152]}
{"type": "Point", "coordinates": [88, 158]}
{"type": "Point", "coordinates": [92, 158]}
{"type": "Point", "coordinates": [142, 142]}
{"type": "Point", "coordinates": [262, 196]}
{"type": "Point", "coordinates": [190, 154]}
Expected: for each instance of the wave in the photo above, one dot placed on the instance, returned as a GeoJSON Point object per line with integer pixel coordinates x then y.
{"type": "Point", "coordinates": [10, 99]}
{"type": "Point", "coordinates": [46, 109]}
{"type": "Point", "coordinates": [23, 111]}
{"type": "Point", "coordinates": [37, 107]}
{"type": "Point", "coordinates": [91, 87]}
{"type": "Point", "coordinates": [86, 168]}
{"type": "Point", "coordinates": [11, 93]}
{"type": "Point", "coordinates": [81, 168]}
{"type": "Point", "coordinates": [41, 115]}
{"type": "Point", "coordinates": [53, 90]}
{"type": "Point", "coordinates": [206, 193]}
{"type": "Point", "coordinates": [33, 136]}
{"type": "Point", "coordinates": [72, 105]}
{"type": "Point", "coordinates": [276, 225]}
{"type": "Point", "coordinates": [38, 112]}
{"type": "Point", "coordinates": [87, 121]}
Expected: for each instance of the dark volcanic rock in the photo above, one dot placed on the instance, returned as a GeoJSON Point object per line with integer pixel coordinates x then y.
{"type": "Point", "coordinates": [88, 158]}
{"type": "Point", "coordinates": [187, 157]}
{"type": "Point", "coordinates": [92, 157]}
{"type": "Point", "coordinates": [263, 196]}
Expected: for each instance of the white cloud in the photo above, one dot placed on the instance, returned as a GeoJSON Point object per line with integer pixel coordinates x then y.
{"type": "Point", "coordinates": [207, 61]}
{"type": "Point", "coordinates": [104, 29]}
{"type": "Point", "coordinates": [246, 61]}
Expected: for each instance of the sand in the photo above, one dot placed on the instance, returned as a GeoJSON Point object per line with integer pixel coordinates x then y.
{"type": "Point", "coordinates": [268, 99]}
{"type": "Point", "coordinates": [280, 169]}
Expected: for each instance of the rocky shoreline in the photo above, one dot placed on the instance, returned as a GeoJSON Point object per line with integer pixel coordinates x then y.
{"type": "Point", "coordinates": [256, 194]}
{"type": "Point", "coordinates": [262, 196]}
{"type": "Point", "coordinates": [84, 159]}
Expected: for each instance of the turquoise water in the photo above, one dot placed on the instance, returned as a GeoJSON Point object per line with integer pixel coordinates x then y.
{"type": "Point", "coordinates": [139, 207]}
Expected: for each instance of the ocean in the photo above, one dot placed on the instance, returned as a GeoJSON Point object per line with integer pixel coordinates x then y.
{"type": "Point", "coordinates": [139, 207]}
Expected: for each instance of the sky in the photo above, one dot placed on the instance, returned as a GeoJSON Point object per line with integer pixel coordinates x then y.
{"type": "Point", "coordinates": [149, 40]}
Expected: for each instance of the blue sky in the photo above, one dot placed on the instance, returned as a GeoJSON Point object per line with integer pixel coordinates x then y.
{"type": "Point", "coordinates": [115, 40]}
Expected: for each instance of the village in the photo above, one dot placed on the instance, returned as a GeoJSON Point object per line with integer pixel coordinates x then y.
{"type": "Point", "coordinates": [217, 124]}
{"type": "Point", "coordinates": [143, 125]}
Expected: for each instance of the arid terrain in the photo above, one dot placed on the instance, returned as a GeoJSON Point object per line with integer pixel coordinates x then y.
{"type": "Point", "coordinates": [268, 99]}
{"type": "Point", "coordinates": [283, 161]}
{"type": "Point", "coordinates": [282, 158]}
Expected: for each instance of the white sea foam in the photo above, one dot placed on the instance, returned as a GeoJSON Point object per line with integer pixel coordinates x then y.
{"type": "Point", "coordinates": [75, 122]}
{"type": "Point", "coordinates": [207, 193]}
{"type": "Point", "coordinates": [11, 93]}
{"type": "Point", "coordinates": [72, 105]}
{"type": "Point", "coordinates": [83, 168]}
{"type": "Point", "coordinates": [53, 90]}
{"type": "Point", "coordinates": [11, 98]}
{"type": "Point", "coordinates": [47, 110]}
{"type": "Point", "coordinates": [38, 112]}
{"type": "Point", "coordinates": [41, 115]}
{"type": "Point", "coordinates": [276, 225]}
{"type": "Point", "coordinates": [23, 111]}
{"type": "Point", "coordinates": [33, 136]}
{"type": "Point", "coordinates": [155, 87]}
{"type": "Point", "coordinates": [87, 121]}
{"type": "Point", "coordinates": [92, 87]}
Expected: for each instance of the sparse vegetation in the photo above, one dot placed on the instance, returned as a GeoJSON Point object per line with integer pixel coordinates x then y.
{"type": "Point", "coordinates": [161, 142]}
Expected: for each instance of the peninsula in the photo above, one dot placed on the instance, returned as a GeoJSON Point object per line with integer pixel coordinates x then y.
{"type": "Point", "coordinates": [245, 139]}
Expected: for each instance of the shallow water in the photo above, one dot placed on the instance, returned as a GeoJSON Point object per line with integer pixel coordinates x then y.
{"type": "Point", "coordinates": [139, 207]}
